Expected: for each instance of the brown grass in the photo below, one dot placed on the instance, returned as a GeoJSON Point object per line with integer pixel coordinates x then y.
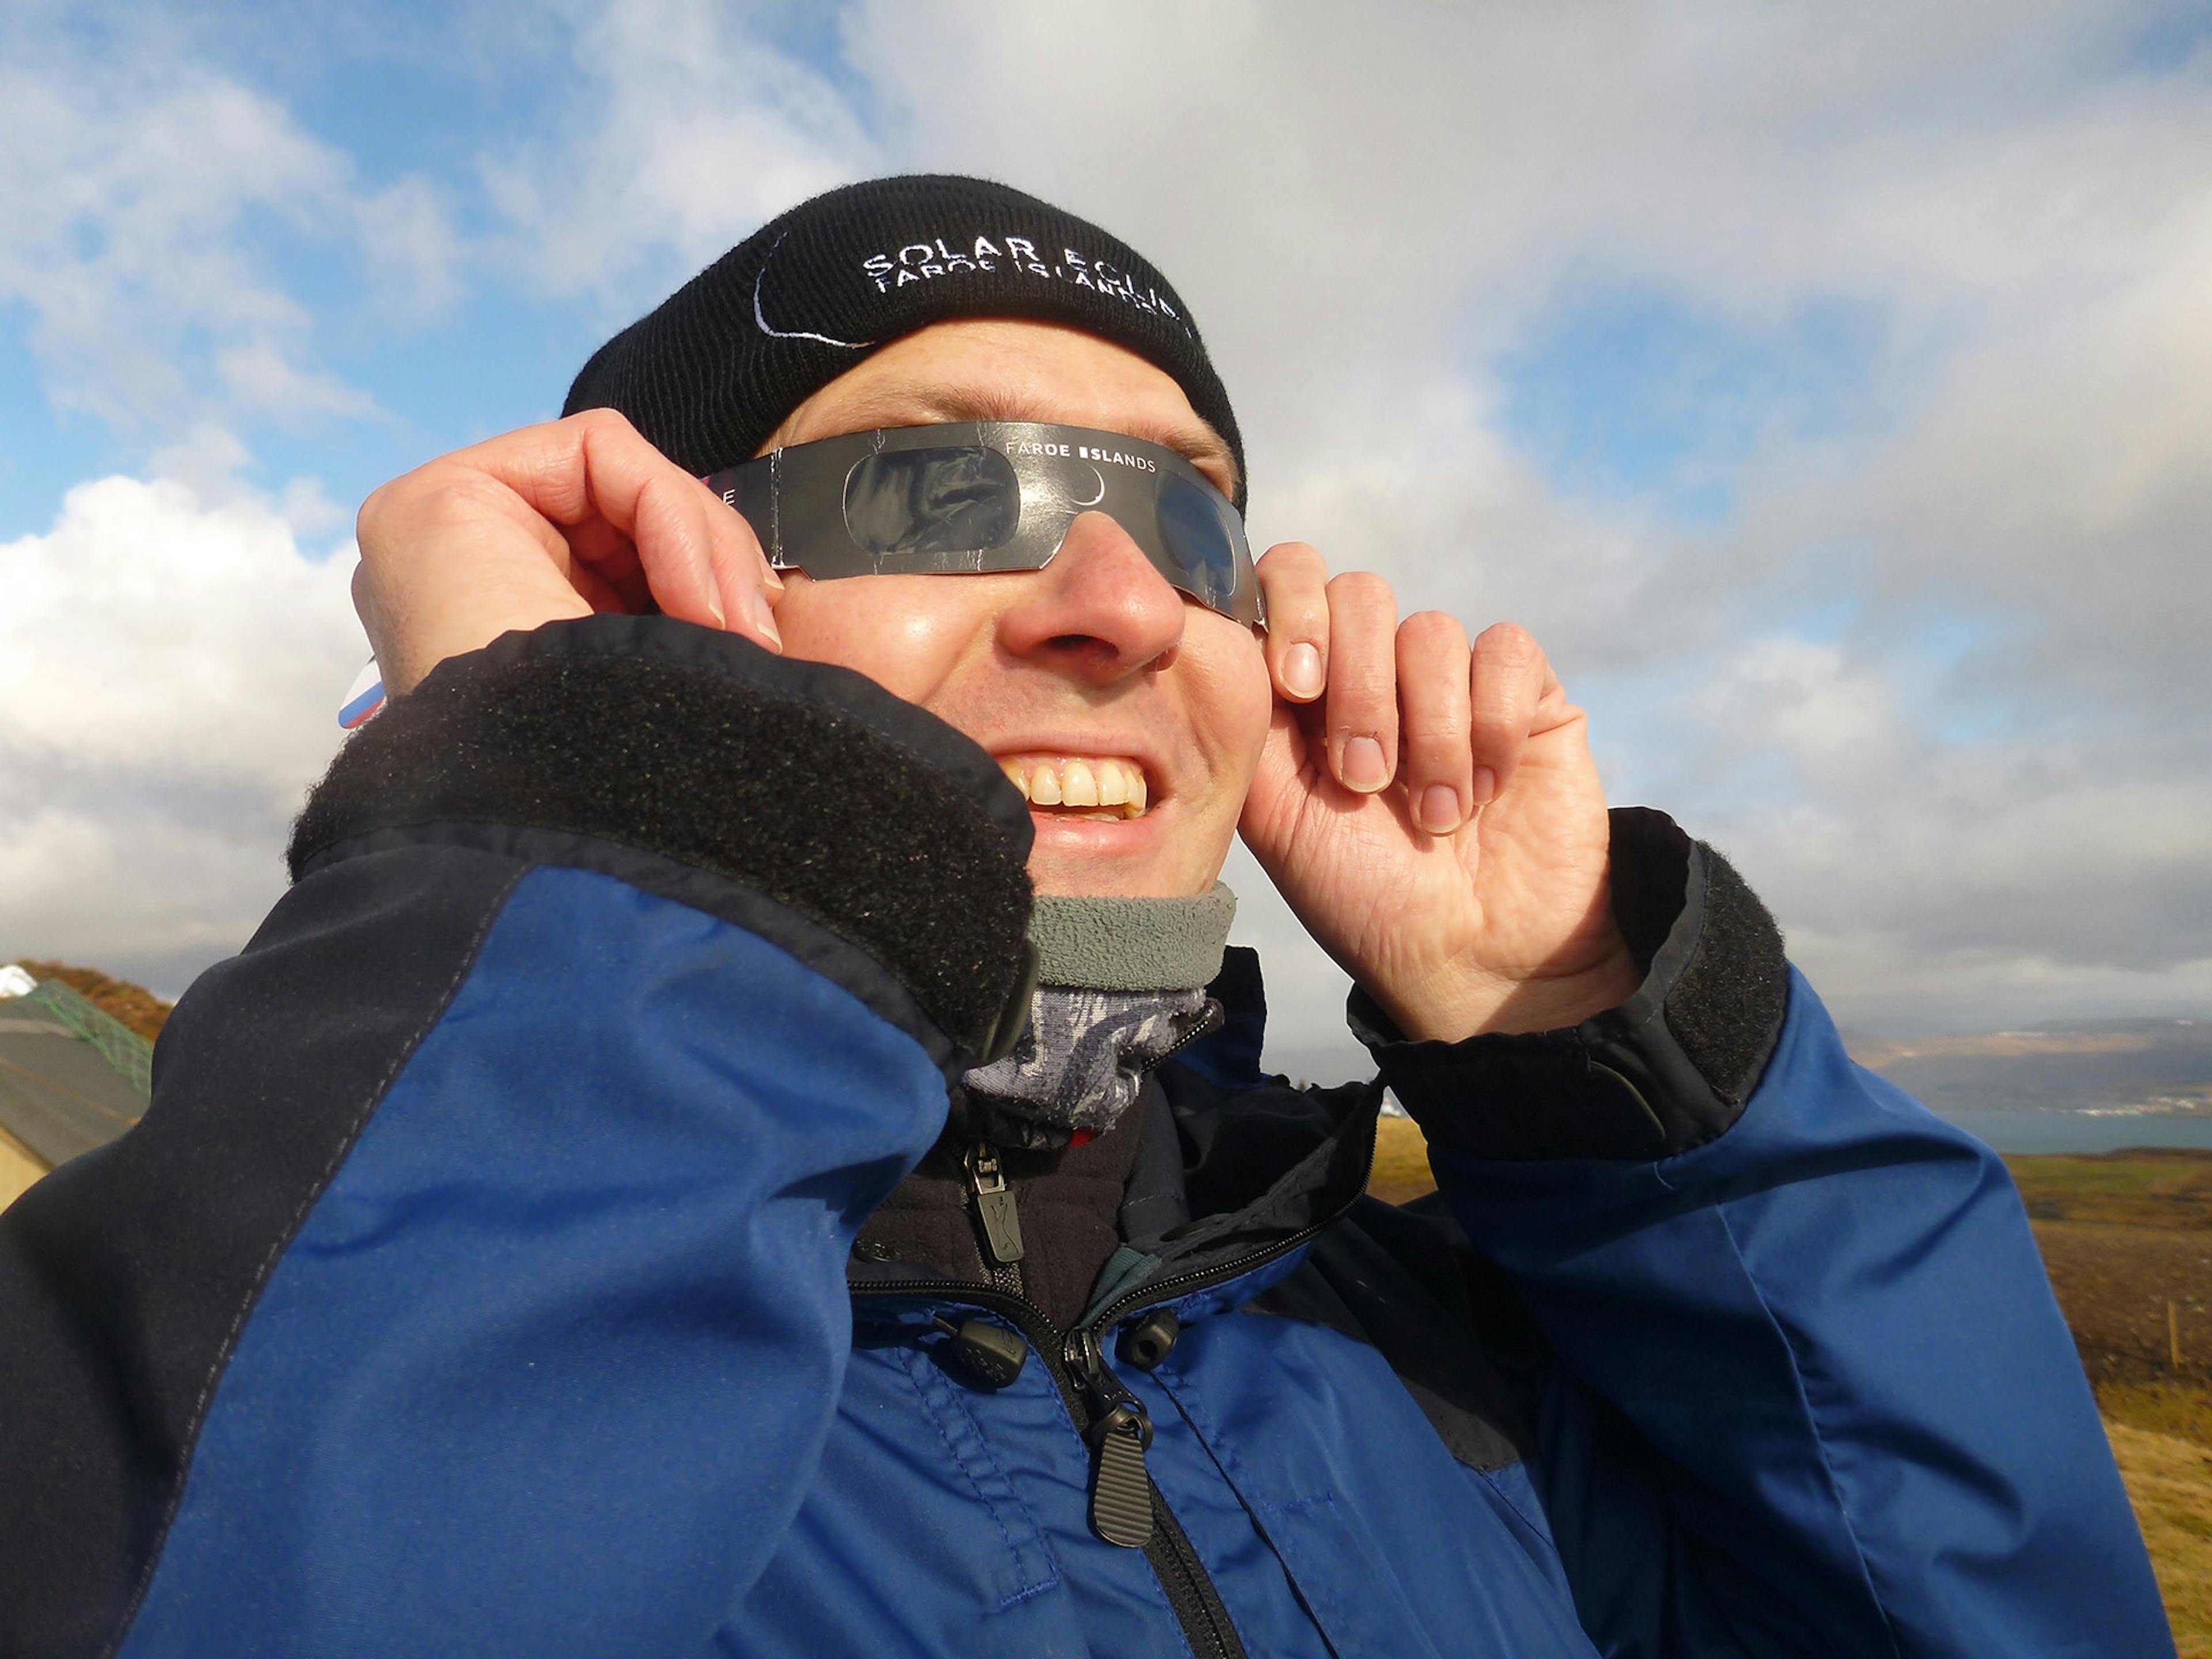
{"type": "Point", "coordinates": [2171, 1481]}
{"type": "Point", "coordinates": [2179, 1410]}
{"type": "Point", "coordinates": [2122, 1234]}
{"type": "Point", "coordinates": [1402, 1161]}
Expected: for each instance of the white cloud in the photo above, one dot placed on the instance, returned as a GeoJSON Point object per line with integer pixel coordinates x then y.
{"type": "Point", "coordinates": [700, 129]}
{"type": "Point", "coordinates": [148, 629]}
{"type": "Point", "coordinates": [142, 196]}
{"type": "Point", "coordinates": [1927, 881]}
{"type": "Point", "coordinates": [1985, 791]}
{"type": "Point", "coordinates": [214, 466]}
{"type": "Point", "coordinates": [1366, 210]}
{"type": "Point", "coordinates": [410, 247]}
{"type": "Point", "coordinates": [262, 377]}
{"type": "Point", "coordinates": [169, 674]}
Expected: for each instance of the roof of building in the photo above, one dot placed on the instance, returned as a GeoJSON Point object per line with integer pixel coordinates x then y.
{"type": "Point", "coordinates": [71, 1077]}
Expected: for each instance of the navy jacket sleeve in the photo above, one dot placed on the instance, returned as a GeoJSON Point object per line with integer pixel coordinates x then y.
{"type": "Point", "coordinates": [1813, 1394]}
{"type": "Point", "coordinates": [475, 1282]}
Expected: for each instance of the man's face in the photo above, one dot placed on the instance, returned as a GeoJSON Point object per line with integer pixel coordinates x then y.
{"type": "Point", "coordinates": [1090, 664]}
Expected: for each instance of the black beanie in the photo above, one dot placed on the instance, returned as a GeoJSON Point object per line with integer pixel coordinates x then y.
{"type": "Point", "coordinates": [710, 373]}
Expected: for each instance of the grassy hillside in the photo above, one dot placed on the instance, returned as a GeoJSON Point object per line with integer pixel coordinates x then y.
{"type": "Point", "coordinates": [2170, 1479]}
{"type": "Point", "coordinates": [2141, 1186]}
{"type": "Point", "coordinates": [2124, 1235]}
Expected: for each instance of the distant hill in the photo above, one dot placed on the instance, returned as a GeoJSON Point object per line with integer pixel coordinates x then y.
{"type": "Point", "coordinates": [2128, 1066]}
{"type": "Point", "coordinates": [2132, 1068]}
{"type": "Point", "coordinates": [133, 1004]}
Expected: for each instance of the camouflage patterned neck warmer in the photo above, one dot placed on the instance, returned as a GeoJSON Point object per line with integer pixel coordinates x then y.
{"type": "Point", "coordinates": [1121, 987]}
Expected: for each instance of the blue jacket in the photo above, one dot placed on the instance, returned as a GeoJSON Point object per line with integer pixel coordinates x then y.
{"type": "Point", "coordinates": [483, 1280]}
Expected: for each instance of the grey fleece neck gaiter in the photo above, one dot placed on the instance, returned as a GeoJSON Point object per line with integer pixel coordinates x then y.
{"type": "Point", "coordinates": [1119, 985]}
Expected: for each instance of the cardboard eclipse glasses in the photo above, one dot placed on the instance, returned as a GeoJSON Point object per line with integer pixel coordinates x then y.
{"type": "Point", "coordinates": [968, 498]}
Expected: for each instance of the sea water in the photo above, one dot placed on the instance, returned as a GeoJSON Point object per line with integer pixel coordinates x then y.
{"type": "Point", "coordinates": [2030, 1130]}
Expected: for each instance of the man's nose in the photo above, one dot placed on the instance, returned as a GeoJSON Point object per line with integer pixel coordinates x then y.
{"type": "Point", "coordinates": [1099, 610]}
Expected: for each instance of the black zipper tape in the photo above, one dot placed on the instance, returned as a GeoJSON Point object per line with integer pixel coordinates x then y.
{"type": "Point", "coordinates": [1197, 1604]}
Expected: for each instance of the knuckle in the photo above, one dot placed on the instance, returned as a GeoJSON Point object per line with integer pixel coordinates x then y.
{"type": "Point", "coordinates": [601, 423]}
{"type": "Point", "coordinates": [397, 514]}
{"type": "Point", "coordinates": [1432, 629]}
{"type": "Point", "coordinates": [1362, 588]}
{"type": "Point", "coordinates": [1358, 696]}
{"type": "Point", "coordinates": [1436, 731]}
{"type": "Point", "coordinates": [1509, 642]}
{"type": "Point", "coordinates": [1293, 558]}
{"type": "Point", "coordinates": [396, 499]}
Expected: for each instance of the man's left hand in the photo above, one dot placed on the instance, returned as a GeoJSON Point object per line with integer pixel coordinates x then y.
{"type": "Point", "coordinates": [1429, 807]}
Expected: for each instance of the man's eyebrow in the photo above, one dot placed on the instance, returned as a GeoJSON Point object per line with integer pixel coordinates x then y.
{"type": "Point", "coordinates": [1194, 440]}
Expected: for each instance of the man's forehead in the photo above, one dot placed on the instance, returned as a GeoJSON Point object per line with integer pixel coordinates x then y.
{"type": "Point", "coordinates": [1188, 435]}
{"type": "Point", "coordinates": [920, 399]}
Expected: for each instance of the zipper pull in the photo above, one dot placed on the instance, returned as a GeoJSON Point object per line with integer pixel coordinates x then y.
{"type": "Point", "coordinates": [994, 1204]}
{"type": "Point", "coordinates": [1121, 1485]}
{"type": "Point", "coordinates": [992, 1354]}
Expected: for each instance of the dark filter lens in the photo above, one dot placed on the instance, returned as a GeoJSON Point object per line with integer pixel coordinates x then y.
{"type": "Point", "coordinates": [931, 501]}
{"type": "Point", "coordinates": [1191, 526]}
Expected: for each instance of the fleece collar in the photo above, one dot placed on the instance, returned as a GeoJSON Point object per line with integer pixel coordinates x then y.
{"type": "Point", "coordinates": [1132, 943]}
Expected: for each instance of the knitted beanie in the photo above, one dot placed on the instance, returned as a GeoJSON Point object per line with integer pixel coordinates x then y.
{"type": "Point", "coordinates": [710, 373]}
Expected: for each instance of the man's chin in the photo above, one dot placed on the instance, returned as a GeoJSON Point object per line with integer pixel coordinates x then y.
{"type": "Point", "coordinates": [1086, 859]}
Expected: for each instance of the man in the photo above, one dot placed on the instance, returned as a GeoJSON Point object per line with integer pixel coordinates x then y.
{"type": "Point", "coordinates": [658, 1183]}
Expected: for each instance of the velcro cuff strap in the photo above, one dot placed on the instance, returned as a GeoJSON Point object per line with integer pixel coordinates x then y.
{"type": "Point", "coordinates": [805, 783]}
{"type": "Point", "coordinates": [1669, 1069]}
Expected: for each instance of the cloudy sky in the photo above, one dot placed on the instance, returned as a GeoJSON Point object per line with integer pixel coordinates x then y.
{"type": "Point", "coordinates": [1830, 391]}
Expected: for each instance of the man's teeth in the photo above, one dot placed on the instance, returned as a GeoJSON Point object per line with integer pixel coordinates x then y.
{"type": "Point", "coordinates": [1116, 786]}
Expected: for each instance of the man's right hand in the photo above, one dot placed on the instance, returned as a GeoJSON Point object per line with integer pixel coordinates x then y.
{"type": "Point", "coordinates": [563, 519]}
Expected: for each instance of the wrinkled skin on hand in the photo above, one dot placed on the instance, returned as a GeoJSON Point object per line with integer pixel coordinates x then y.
{"type": "Point", "coordinates": [550, 521]}
{"type": "Point", "coordinates": [1432, 814]}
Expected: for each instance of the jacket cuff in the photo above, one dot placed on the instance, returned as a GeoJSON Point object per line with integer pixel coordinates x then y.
{"type": "Point", "coordinates": [805, 783]}
{"type": "Point", "coordinates": [1669, 1069]}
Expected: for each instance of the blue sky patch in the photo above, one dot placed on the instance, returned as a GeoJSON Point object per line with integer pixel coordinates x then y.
{"type": "Point", "coordinates": [2167, 43]}
{"type": "Point", "coordinates": [1631, 393]}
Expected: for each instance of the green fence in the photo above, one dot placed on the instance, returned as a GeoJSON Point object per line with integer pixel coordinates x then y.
{"type": "Point", "coordinates": [131, 1054]}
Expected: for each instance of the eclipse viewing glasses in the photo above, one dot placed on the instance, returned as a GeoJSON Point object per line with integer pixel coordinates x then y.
{"type": "Point", "coordinates": [972, 498]}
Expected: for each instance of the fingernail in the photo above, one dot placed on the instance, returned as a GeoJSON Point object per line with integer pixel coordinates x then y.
{"type": "Point", "coordinates": [1440, 809]}
{"type": "Point", "coordinates": [714, 609]}
{"type": "Point", "coordinates": [763, 619]}
{"type": "Point", "coordinates": [1486, 785]}
{"type": "Point", "coordinates": [1362, 767]}
{"type": "Point", "coordinates": [1302, 671]}
{"type": "Point", "coordinates": [770, 580]}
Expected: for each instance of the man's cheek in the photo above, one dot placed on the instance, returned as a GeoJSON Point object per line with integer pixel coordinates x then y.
{"type": "Point", "coordinates": [858, 623]}
{"type": "Point", "coordinates": [1248, 707]}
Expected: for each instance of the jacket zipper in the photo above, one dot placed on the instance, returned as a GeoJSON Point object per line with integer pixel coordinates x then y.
{"type": "Point", "coordinates": [1208, 1023]}
{"type": "Point", "coordinates": [991, 1201]}
{"type": "Point", "coordinates": [1001, 1223]}
{"type": "Point", "coordinates": [1128, 1507]}
{"type": "Point", "coordinates": [1111, 1420]}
